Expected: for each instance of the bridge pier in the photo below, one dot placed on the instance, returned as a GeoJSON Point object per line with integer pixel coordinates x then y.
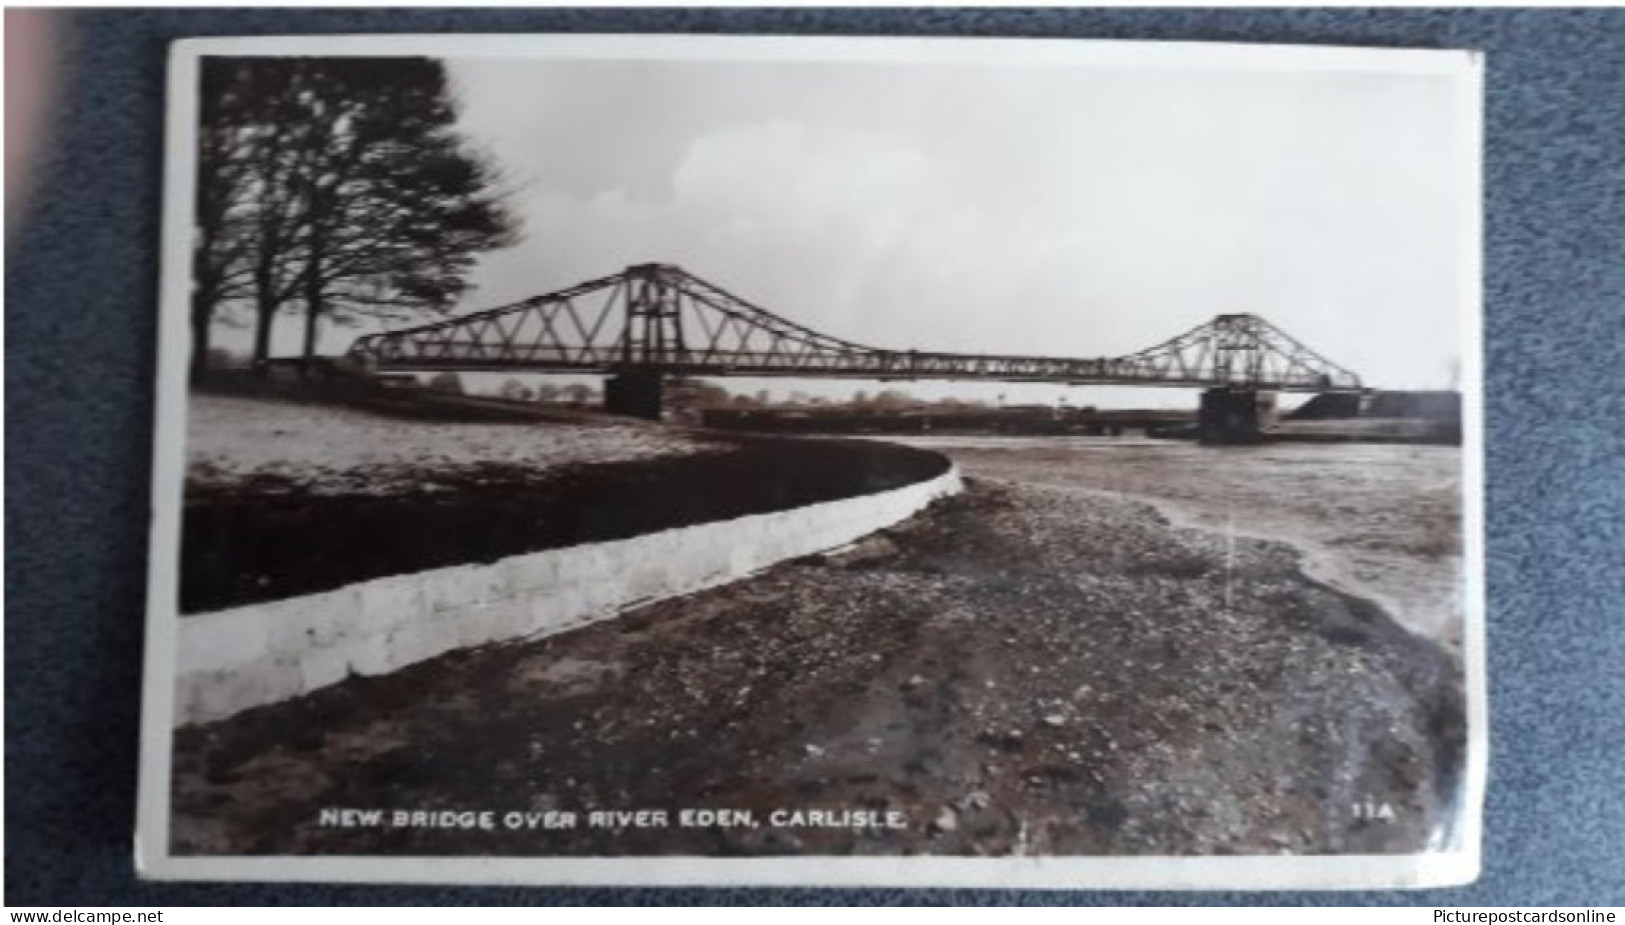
{"type": "Point", "coordinates": [1229, 416]}
{"type": "Point", "coordinates": [635, 393]}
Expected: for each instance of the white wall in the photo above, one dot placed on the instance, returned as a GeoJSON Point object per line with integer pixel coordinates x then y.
{"type": "Point", "coordinates": [230, 660]}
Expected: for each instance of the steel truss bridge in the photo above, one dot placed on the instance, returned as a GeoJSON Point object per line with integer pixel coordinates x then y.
{"type": "Point", "coordinates": [659, 320]}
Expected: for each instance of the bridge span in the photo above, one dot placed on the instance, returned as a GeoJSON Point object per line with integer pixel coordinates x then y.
{"type": "Point", "coordinates": [656, 320]}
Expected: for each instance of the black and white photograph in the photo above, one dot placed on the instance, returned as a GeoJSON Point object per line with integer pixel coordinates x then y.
{"type": "Point", "coordinates": [619, 459]}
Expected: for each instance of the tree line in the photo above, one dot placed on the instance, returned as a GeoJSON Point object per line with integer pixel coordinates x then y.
{"type": "Point", "coordinates": [684, 392]}
{"type": "Point", "coordinates": [339, 188]}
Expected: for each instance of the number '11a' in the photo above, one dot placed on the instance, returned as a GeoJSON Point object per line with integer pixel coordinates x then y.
{"type": "Point", "coordinates": [1371, 811]}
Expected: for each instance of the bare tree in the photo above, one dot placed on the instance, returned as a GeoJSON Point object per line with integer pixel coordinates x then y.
{"type": "Point", "coordinates": [231, 150]}
{"type": "Point", "coordinates": [397, 207]}
{"type": "Point", "coordinates": [217, 253]}
{"type": "Point", "coordinates": [338, 182]}
{"type": "Point", "coordinates": [247, 208]}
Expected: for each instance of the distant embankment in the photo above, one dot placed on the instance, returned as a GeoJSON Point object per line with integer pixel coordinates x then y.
{"type": "Point", "coordinates": [1442, 406]}
{"type": "Point", "coordinates": [1380, 417]}
{"type": "Point", "coordinates": [1328, 406]}
{"type": "Point", "coordinates": [368, 394]}
{"type": "Point", "coordinates": [1023, 421]}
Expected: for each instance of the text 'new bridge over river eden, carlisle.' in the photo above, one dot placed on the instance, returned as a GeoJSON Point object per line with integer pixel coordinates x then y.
{"type": "Point", "coordinates": [656, 320]}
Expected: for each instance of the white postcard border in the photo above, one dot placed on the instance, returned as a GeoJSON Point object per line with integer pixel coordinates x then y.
{"type": "Point", "coordinates": [1457, 864]}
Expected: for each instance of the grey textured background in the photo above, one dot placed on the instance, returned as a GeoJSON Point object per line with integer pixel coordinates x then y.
{"type": "Point", "coordinates": [81, 318]}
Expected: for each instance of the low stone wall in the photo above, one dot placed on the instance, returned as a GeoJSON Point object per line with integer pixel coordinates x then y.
{"type": "Point", "coordinates": [230, 660]}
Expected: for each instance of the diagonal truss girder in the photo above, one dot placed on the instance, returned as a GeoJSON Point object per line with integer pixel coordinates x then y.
{"type": "Point", "coordinates": [659, 317]}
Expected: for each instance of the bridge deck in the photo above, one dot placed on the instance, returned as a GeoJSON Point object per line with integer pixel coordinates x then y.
{"type": "Point", "coordinates": [658, 319]}
{"type": "Point", "coordinates": [891, 367]}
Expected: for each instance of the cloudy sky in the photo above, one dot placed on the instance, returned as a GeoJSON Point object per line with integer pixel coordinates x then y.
{"type": "Point", "coordinates": [1064, 211]}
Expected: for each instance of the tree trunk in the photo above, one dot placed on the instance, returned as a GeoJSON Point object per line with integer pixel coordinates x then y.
{"type": "Point", "coordinates": [202, 315]}
{"type": "Point", "coordinates": [313, 311]}
{"type": "Point", "coordinates": [314, 300]}
{"type": "Point", "coordinates": [265, 306]}
{"type": "Point", "coordinates": [262, 336]}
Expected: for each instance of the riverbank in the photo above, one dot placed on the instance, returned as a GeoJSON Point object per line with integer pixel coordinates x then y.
{"type": "Point", "coordinates": [286, 499]}
{"type": "Point", "coordinates": [1026, 669]}
{"type": "Point", "coordinates": [1380, 522]}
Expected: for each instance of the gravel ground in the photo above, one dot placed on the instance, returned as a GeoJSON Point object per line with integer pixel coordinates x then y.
{"type": "Point", "coordinates": [1024, 669]}
{"type": "Point", "coordinates": [327, 449]}
{"type": "Point", "coordinates": [1381, 522]}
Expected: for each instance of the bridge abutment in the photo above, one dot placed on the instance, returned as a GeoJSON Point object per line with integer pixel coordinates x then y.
{"type": "Point", "coordinates": [635, 393]}
{"type": "Point", "coordinates": [1229, 416]}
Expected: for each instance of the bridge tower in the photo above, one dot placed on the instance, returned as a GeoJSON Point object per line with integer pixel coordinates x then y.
{"type": "Point", "coordinates": [638, 393]}
{"type": "Point", "coordinates": [651, 341]}
{"type": "Point", "coordinates": [1244, 360]}
{"type": "Point", "coordinates": [1229, 415]}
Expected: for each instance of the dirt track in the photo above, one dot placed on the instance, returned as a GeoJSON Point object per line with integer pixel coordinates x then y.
{"type": "Point", "coordinates": [1023, 669]}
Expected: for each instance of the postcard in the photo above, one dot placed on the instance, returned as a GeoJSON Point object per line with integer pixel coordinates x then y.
{"type": "Point", "coordinates": [828, 461]}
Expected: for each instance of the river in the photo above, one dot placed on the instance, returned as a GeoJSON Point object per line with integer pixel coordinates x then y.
{"type": "Point", "coordinates": [1382, 522]}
